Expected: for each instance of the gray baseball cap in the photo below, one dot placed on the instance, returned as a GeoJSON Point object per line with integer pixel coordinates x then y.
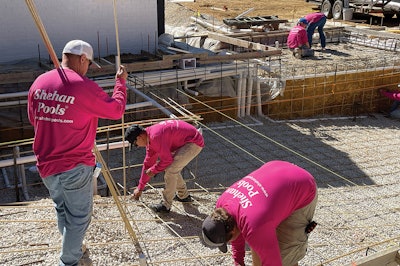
{"type": "Point", "coordinates": [214, 234]}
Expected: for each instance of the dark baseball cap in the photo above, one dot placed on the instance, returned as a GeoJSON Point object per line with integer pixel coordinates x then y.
{"type": "Point", "coordinates": [214, 233]}
{"type": "Point", "coordinates": [132, 132]}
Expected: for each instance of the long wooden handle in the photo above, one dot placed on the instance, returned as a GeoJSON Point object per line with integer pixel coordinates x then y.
{"type": "Point", "coordinates": [118, 63]}
{"type": "Point", "coordinates": [43, 32]}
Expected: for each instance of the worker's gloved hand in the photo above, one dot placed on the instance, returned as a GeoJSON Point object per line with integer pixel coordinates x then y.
{"type": "Point", "coordinates": [122, 72]}
{"type": "Point", "coordinates": [136, 194]}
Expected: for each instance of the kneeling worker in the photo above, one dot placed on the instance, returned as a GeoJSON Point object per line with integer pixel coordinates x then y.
{"type": "Point", "coordinates": [271, 210]}
{"type": "Point", "coordinates": [297, 40]}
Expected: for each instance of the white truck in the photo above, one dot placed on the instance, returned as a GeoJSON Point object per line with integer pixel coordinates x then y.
{"type": "Point", "coordinates": [334, 8]}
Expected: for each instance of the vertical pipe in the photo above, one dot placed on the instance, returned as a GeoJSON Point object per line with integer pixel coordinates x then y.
{"type": "Point", "coordinates": [22, 176]}
{"type": "Point", "coordinates": [117, 63]}
{"type": "Point", "coordinates": [259, 106]}
{"type": "Point", "coordinates": [16, 175]}
{"type": "Point", "coordinates": [249, 94]}
{"type": "Point", "coordinates": [239, 93]}
{"type": "Point", "coordinates": [243, 94]}
{"type": "Point", "coordinates": [5, 176]}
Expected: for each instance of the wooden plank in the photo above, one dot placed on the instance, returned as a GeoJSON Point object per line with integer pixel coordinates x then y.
{"type": "Point", "coordinates": [242, 56]}
{"type": "Point", "coordinates": [238, 42]}
{"type": "Point", "coordinates": [274, 33]}
{"type": "Point", "coordinates": [388, 257]}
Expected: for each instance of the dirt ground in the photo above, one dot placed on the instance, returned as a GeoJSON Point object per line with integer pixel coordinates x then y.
{"type": "Point", "coordinates": [231, 8]}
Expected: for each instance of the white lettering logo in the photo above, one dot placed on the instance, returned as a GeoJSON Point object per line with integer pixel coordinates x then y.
{"type": "Point", "coordinates": [245, 199]}
{"type": "Point", "coordinates": [51, 109]}
{"type": "Point", "coordinates": [44, 98]}
{"type": "Point", "coordinates": [43, 95]}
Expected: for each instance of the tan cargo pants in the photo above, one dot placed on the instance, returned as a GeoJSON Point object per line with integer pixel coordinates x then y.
{"type": "Point", "coordinates": [174, 182]}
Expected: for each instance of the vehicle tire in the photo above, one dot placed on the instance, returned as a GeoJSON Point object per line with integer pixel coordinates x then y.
{"type": "Point", "coordinates": [388, 15]}
{"type": "Point", "coordinates": [326, 8]}
{"type": "Point", "coordinates": [337, 9]}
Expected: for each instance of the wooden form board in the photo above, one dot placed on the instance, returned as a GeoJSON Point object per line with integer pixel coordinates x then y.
{"type": "Point", "coordinates": [239, 42]}
{"type": "Point", "coordinates": [389, 257]}
{"type": "Point", "coordinates": [167, 62]}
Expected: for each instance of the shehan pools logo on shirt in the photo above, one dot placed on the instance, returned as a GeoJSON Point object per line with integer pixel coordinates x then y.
{"type": "Point", "coordinates": [54, 97]}
{"type": "Point", "coordinates": [245, 198]}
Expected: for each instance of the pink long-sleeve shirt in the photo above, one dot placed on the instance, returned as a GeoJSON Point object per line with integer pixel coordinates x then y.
{"type": "Point", "coordinates": [260, 201]}
{"type": "Point", "coordinates": [64, 108]}
{"type": "Point", "coordinates": [314, 17]}
{"type": "Point", "coordinates": [164, 139]}
{"type": "Point", "coordinates": [297, 37]}
{"type": "Point", "coordinates": [393, 95]}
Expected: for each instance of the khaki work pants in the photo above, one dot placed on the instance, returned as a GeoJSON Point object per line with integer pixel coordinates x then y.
{"type": "Point", "coordinates": [174, 182]}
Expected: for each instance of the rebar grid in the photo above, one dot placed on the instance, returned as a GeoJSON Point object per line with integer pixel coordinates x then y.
{"type": "Point", "coordinates": [354, 219]}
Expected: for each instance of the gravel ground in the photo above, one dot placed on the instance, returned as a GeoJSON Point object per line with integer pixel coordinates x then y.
{"type": "Point", "coordinates": [345, 51]}
{"type": "Point", "coordinates": [352, 161]}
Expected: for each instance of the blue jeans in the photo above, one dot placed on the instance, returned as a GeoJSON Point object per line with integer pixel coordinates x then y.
{"type": "Point", "coordinates": [72, 193]}
{"type": "Point", "coordinates": [306, 52]}
{"type": "Point", "coordinates": [311, 28]}
{"type": "Point", "coordinates": [394, 106]}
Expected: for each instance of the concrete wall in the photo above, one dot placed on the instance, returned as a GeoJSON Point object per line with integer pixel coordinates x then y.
{"type": "Point", "coordinates": [64, 20]}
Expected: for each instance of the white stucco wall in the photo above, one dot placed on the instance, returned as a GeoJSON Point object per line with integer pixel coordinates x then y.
{"type": "Point", "coordinates": [89, 20]}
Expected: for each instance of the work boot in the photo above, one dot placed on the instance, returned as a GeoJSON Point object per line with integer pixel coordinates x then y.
{"type": "Point", "coordinates": [159, 207]}
{"type": "Point", "coordinates": [187, 199]}
{"type": "Point", "coordinates": [85, 251]}
{"type": "Point", "coordinates": [85, 261]}
{"type": "Point", "coordinates": [297, 53]}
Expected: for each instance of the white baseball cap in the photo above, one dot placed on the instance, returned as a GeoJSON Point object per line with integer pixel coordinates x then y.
{"type": "Point", "coordinates": [79, 47]}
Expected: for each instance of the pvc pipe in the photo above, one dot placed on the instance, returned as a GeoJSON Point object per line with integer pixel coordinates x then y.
{"type": "Point", "coordinates": [209, 25]}
{"type": "Point", "coordinates": [154, 103]}
{"type": "Point", "coordinates": [5, 176]}
{"type": "Point", "coordinates": [32, 158]}
{"type": "Point", "coordinates": [13, 95]}
{"type": "Point", "coordinates": [13, 103]}
{"type": "Point", "coordinates": [258, 93]}
{"type": "Point", "coordinates": [245, 12]}
{"type": "Point", "coordinates": [243, 98]}
{"type": "Point", "coordinates": [239, 93]}
{"type": "Point", "coordinates": [249, 94]}
{"type": "Point", "coordinates": [192, 92]}
{"type": "Point", "coordinates": [21, 175]}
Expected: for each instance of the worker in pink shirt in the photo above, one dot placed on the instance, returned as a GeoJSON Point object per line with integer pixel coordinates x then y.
{"type": "Point", "coordinates": [394, 111]}
{"type": "Point", "coordinates": [271, 210]}
{"type": "Point", "coordinates": [316, 20]}
{"type": "Point", "coordinates": [64, 107]}
{"type": "Point", "coordinates": [170, 146]}
{"type": "Point", "coordinates": [297, 40]}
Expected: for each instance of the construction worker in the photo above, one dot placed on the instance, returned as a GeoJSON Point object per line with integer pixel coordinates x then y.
{"type": "Point", "coordinates": [297, 40]}
{"type": "Point", "coordinates": [64, 107]}
{"type": "Point", "coordinates": [271, 210]}
{"type": "Point", "coordinates": [316, 20]}
{"type": "Point", "coordinates": [175, 143]}
{"type": "Point", "coordinates": [394, 111]}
